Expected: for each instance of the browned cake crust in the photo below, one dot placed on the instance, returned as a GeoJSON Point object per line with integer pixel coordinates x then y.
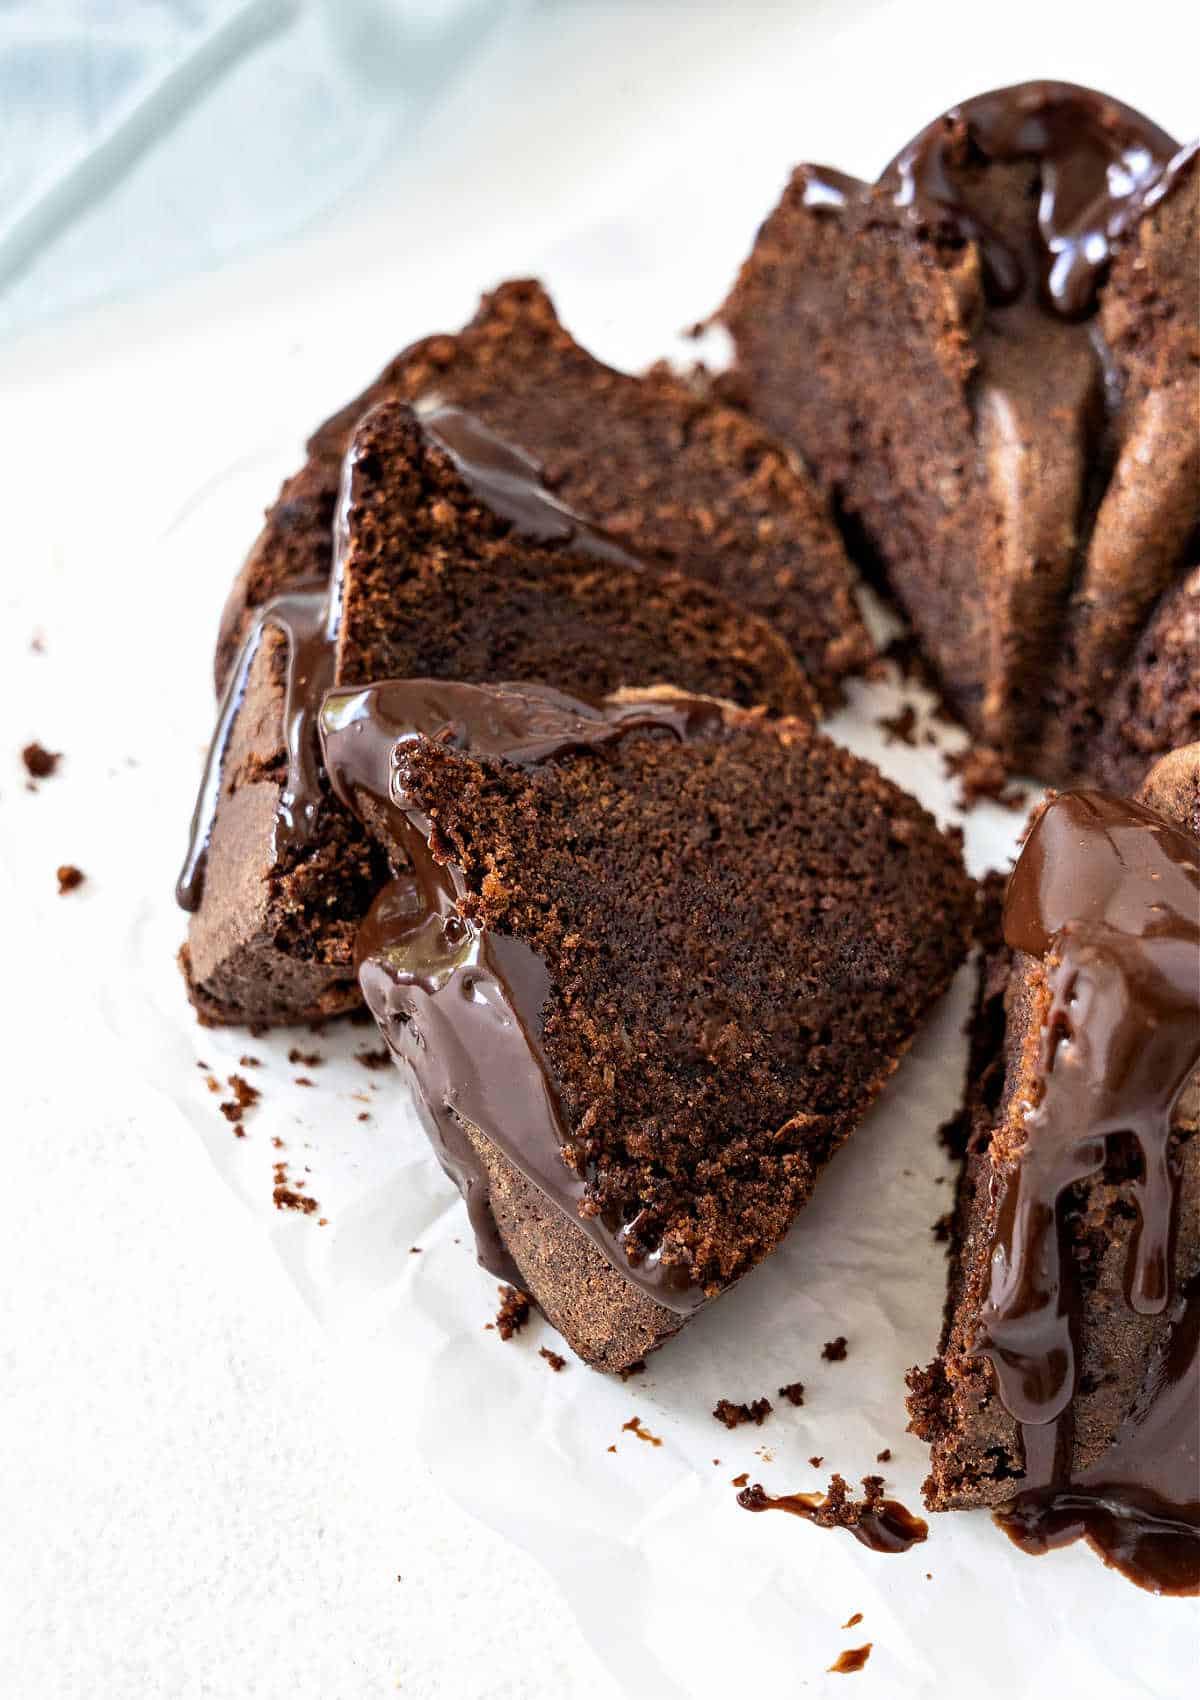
{"type": "Point", "coordinates": [1156, 705]}
{"type": "Point", "coordinates": [977, 1455]}
{"type": "Point", "coordinates": [1025, 502]}
{"type": "Point", "coordinates": [685, 481]}
{"type": "Point", "coordinates": [430, 579]}
{"type": "Point", "coordinates": [741, 931]}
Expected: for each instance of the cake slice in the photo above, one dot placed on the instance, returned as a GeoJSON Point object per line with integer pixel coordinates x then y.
{"type": "Point", "coordinates": [685, 482]}
{"type": "Point", "coordinates": [651, 962]}
{"type": "Point", "coordinates": [1067, 1392]}
{"type": "Point", "coordinates": [988, 358]}
{"type": "Point", "coordinates": [454, 560]}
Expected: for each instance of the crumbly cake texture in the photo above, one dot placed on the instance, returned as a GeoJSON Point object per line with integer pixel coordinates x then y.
{"type": "Point", "coordinates": [977, 1453]}
{"type": "Point", "coordinates": [1156, 705]}
{"type": "Point", "coordinates": [436, 583]}
{"type": "Point", "coordinates": [742, 933]}
{"type": "Point", "coordinates": [684, 481]}
{"type": "Point", "coordinates": [1028, 526]}
{"type": "Point", "coordinates": [430, 580]}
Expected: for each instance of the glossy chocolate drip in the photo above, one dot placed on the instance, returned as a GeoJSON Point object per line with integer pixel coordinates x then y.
{"type": "Point", "coordinates": [1098, 165]}
{"type": "Point", "coordinates": [302, 617]}
{"type": "Point", "coordinates": [365, 731]}
{"type": "Point", "coordinates": [502, 478]}
{"type": "Point", "coordinates": [1107, 893]}
{"type": "Point", "coordinates": [512, 484]}
{"type": "Point", "coordinates": [460, 1006]}
{"type": "Point", "coordinates": [884, 1525]}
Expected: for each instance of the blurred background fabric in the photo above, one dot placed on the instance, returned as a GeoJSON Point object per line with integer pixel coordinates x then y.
{"type": "Point", "coordinates": [144, 140]}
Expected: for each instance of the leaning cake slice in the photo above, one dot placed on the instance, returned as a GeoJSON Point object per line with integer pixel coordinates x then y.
{"type": "Point", "coordinates": [650, 962]}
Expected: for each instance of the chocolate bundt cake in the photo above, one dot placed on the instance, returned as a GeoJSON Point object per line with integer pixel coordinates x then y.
{"type": "Point", "coordinates": [989, 358]}
{"type": "Point", "coordinates": [648, 965]}
{"type": "Point", "coordinates": [1067, 1392]}
{"type": "Point", "coordinates": [455, 559]}
{"type": "Point", "coordinates": [683, 481]}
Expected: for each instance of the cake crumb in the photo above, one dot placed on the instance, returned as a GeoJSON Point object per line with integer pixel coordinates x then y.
{"type": "Point", "coordinates": [732, 1415]}
{"type": "Point", "coordinates": [942, 1228]}
{"type": "Point", "coordinates": [817, 1460]}
{"type": "Point", "coordinates": [612, 1449]}
{"type": "Point", "coordinates": [40, 763]}
{"type": "Point", "coordinates": [854, 1619]}
{"type": "Point", "coordinates": [898, 728]}
{"type": "Point", "coordinates": [981, 776]}
{"type": "Point", "coordinates": [302, 1080]}
{"type": "Point", "coordinates": [884, 1457]}
{"type": "Point", "coordinates": [287, 1198]}
{"type": "Point", "coordinates": [833, 1351]}
{"type": "Point", "coordinates": [554, 1359]}
{"type": "Point", "coordinates": [634, 1426]}
{"type": "Point", "coordinates": [69, 878]}
{"type": "Point", "coordinates": [244, 1098]}
{"type": "Point", "coordinates": [309, 1059]}
{"type": "Point", "coordinates": [250, 1062]}
{"type": "Point", "coordinates": [793, 1393]}
{"type": "Point", "coordinates": [852, 1660]}
{"type": "Point", "coordinates": [740, 1481]}
{"type": "Point", "coordinates": [364, 1115]}
{"type": "Point", "coordinates": [513, 1313]}
{"type": "Point", "coordinates": [379, 1058]}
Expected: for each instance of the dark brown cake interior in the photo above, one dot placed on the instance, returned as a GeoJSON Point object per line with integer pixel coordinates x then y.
{"type": "Point", "coordinates": [685, 482]}
{"type": "Point", "coordinates": [741, 931]}
{"type": "Point", "coordinates": [431, 576]}
{"type": "Point", "coordinates": [436, 581]}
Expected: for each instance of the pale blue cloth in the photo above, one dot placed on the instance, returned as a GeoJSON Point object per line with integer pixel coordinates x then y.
{"type": "Point", "coordinates": [144, 140]}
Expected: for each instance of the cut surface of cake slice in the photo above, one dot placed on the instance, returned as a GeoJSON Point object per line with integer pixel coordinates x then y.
{"type": "Point", "coordinates": [1067, 1392]}
{"type": "Point", "coordinates": [684, 482]}
{"type": "Point", "coordinates": [989, 359]}
{"type": "Point", "coordinates": [652, 960]}
{"type": "Point", "coordinates": [453, 559]}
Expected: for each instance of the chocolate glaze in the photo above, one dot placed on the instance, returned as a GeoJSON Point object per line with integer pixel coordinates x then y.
{"type": "Point", "coordinates": [512, 484]}
{"type": "Point", "coordinates": [1100, 165]}
{"type": "Point", "coordinates": [1108, 894]}
{"type": "Point", "coordinates": [502, 478]}
{"type": "Point", "coordinates": [884, 1525]}
{"type": "Point", "coordinates": [461, 1006]}
{"type": "Point", "coordinates": [302, 617]}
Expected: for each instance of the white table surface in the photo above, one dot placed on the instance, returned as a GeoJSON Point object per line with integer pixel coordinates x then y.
{"type": "Point", "coordinates": [186, 1512]}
